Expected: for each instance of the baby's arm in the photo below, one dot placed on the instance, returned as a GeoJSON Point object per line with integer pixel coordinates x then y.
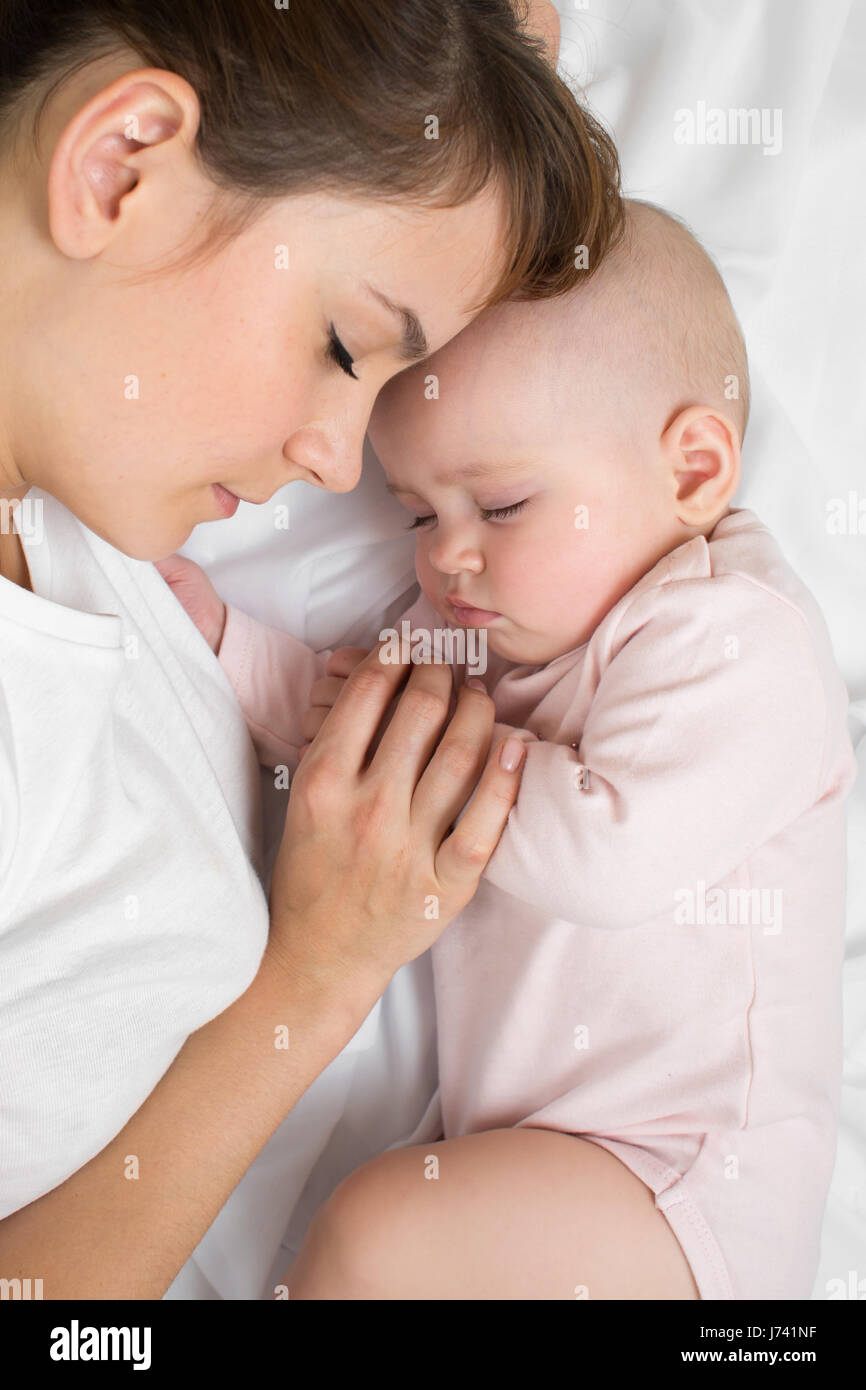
{"type": "Point", "coordinates": [704, 739]}
{"type": "Point", "coordinates": [272, 674]}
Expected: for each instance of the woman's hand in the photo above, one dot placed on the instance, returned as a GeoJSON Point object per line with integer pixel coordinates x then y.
{"type": "Point", "coordinates": [371, 867]}
{"type": "Point", "coordinates": [194, 591]}
{"type": "Point", "coordinates": [324, 692]}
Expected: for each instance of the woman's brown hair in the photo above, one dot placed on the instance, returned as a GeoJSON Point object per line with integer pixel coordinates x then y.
{"type": "Point", "coordinates": [343, 96]}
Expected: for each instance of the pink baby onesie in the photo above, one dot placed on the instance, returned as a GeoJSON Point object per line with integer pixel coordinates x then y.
{"type": "Point", "coordinates": [652, 959]}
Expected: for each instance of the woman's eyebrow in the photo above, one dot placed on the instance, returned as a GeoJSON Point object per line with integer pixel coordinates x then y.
{"type": "Point", "coordinates": [414, 345]}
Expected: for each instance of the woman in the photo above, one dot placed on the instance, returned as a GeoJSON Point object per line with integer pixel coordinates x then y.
{"type": "Point", "coordinates": [224, 228]}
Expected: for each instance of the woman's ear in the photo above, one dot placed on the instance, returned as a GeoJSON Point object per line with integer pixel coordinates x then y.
{"type": "Point", "coordinates": [107, 149]}
{"type": "Point", "coordinates": [701, 447]}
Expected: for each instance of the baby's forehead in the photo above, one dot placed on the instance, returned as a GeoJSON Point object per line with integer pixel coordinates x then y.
{"type": "Point", "coordinates": [505, 346]}
{"type": "Point", "coordinates": [517, 327]}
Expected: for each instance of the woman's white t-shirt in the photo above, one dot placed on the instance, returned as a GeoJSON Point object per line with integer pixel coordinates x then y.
{"type": "Point", "coordinates": [131, 907]}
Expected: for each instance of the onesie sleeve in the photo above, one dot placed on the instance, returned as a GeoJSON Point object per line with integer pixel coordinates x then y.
{"type": "Point", "coordinates": [272, 674]}
{"type": "Point", "coordinates": [704, 739]}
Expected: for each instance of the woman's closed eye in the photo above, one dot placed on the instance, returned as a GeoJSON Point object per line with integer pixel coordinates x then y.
{"type": "Point", "coordinates": [488, 513]}
{"type": "Point", "coordinates": [337, 353]}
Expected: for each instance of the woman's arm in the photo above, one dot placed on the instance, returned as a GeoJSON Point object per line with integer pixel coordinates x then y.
{"type": "Point", "coordinates": [103, 1235]}
{"type": "Point", "coordinates": [365, 846]}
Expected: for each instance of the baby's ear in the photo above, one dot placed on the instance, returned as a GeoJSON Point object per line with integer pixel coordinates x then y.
{"type": "Point", "coordinates": [701, 446]}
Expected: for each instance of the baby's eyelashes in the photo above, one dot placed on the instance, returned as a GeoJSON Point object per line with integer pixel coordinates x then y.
{"type": "Point", "coordinates": [500, 512]}
{"type": "Point", "coordinates": [487, 513]}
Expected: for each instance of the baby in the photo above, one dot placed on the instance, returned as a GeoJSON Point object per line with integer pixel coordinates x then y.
{"type": "Point", "coordinates": [651, 963]}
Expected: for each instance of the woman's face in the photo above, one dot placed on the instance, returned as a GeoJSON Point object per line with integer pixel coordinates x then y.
{"type": "Point", "coordinates": [130, 401]}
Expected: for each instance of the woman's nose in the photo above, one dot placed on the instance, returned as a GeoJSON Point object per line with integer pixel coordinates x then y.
{"type": "Point", "coordinates": [329, 446]}
{"type": "Point", "coordinates": [330, 456]}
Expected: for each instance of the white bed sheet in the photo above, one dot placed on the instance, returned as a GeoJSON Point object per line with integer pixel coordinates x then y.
{"type": "Point", "coordinates": [788, 231]}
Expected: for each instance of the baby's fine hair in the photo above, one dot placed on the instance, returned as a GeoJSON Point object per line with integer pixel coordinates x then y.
{"type": "Point", "coordinates": [673, 300]}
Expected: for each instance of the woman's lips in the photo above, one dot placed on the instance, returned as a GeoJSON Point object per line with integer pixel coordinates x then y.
{"type": "Point", "coordinates": [473, 617]}
{"type": "Point", "coordinates": [226, 501]}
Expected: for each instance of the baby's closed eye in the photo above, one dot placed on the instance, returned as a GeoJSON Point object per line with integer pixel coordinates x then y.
{"type": "Point", "coordinates": [488, 513]}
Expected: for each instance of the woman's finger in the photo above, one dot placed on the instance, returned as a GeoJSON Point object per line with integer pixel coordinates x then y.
{"type": "Point", "coordinates": [407, 744]}
{"type": "Point", "coordinates": [346, 735]}
{"type": "Point", "coordinates": [464, 854]}
{"type": "Point", "coordinates": [455, 767]}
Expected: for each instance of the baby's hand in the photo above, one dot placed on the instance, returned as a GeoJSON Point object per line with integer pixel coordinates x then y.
{"type": "Point", "coordinates": [325, 692]}
{"type": "Point", "coordinates": [194, 591]}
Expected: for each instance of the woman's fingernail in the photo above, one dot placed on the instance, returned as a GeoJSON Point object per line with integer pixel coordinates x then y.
{"type": "Point", "coordinates": [510, 753]}
{"type": "Point", "coordinates": [476, 684]}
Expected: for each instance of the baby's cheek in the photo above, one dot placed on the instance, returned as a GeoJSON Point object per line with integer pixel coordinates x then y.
{"type": "Point", "coordinates": [561, 585]}
{"type": "Point", "coordinates": [430, 581]}
{"type": "Point", "coordinates": [543, 567]}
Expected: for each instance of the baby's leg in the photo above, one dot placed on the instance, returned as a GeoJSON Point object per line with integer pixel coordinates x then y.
{"type": "Point", "coordinates": [512, 1214]}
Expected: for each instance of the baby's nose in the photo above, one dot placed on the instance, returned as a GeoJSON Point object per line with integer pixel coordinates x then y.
{"type": "Point", "coordinates": [451, 555]}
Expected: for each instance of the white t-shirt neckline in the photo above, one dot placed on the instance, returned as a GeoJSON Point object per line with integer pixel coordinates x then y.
{"type": "Point", "coordinates": [33, 610]}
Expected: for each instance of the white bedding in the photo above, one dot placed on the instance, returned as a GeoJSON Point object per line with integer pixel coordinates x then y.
{"type": "Point", "coordinates": [787, 228]}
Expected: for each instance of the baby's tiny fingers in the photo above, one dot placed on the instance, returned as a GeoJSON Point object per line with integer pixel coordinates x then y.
{"type": "Point", "coordinates": [343, 661]}
{"type": "Point", "coordinates": [326, 691]}
{"type": "Point", "coordinates": [312, 721]}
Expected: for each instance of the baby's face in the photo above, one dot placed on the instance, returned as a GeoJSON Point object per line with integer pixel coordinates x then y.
{"type": "Point", "coordinates": [536, 507]}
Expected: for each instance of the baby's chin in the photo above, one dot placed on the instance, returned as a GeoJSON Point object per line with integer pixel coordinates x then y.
{"type": "Point", "coordinates": [512, 642]}
{"type": "Point", "coordinates": [530, 648]}
{"type": "Point", "coordinates": [515, 644]}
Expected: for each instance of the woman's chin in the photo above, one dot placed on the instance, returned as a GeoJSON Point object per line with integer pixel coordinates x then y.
{"type": "Point", "coordinates": [149, 542]}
